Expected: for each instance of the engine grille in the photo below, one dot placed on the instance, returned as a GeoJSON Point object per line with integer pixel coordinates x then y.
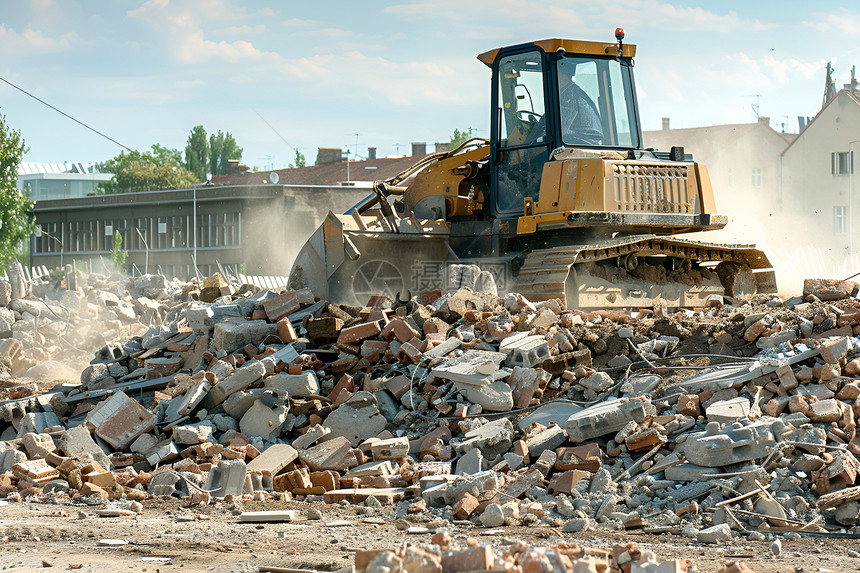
{"type": "Point", "coordinates": [652, 188]}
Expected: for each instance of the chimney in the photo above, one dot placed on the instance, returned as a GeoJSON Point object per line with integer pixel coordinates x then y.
{"type": "Point", "coordinates": [665, 124]}
{"type": "Point", "coordinates": [443, 147]}
{"type": "Point", "coordinates": [764, 120]}
{"type": "Point", "coordinates": [327, 155]}
{"type": "Point", "coordinates": [419, 148]}
{"type": "Point", "coordinates": [371, 153]}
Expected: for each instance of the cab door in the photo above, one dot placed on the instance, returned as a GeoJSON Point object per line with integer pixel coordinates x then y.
{"type": "Point", "coordinates": [520, 130]}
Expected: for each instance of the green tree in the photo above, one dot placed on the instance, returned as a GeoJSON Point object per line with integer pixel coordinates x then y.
{"type": "Point", "coordinates": [197, 153]}
{"type": "Point", "coordinates": [222, 148]}
{"type": "Point", "coordinates": [300, 159]}
{"type": "Point", "coordinates": [16, 224]}
{"type": "Point", "coordinates": [160, 168]}
{"type": "Point", "coordinates": [459, 138]}
{"type": "Point", "coordinates": [118, 255]}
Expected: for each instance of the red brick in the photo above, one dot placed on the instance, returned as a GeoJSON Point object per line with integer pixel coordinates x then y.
{"type": "Point", "coordinates": [359, 332]}
{"type": "Point", "coordinates": [408, 354]}
{"type": "Point", "coordinates": [343, 364]}
{"type": "Point", "coordinates": [258, 314]}
{"type": "Point", "coordinates": [475, 559]}
{"type": "Point", "coordinates": [398, 328]}
{"type": "Point", "coordinates": [566, 482]}
{"type": "Point", "coordinates": [281, 306]}
{"type": "Point", "coordinates": [688, 405]}
{"type": "Point", "coordinates": [465, 506]}
{"type": "Point", "coordinates": [286, 331]}
{"type": "Point", "coordinates": [754, 331]}
{"type": "Point", "coordinates": [587, 457]}
{"type": "Point", "coordinates": [326, 479]}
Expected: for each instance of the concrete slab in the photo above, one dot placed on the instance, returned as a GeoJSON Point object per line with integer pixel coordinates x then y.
{"type": "Point", "coordinates": [555, 413]}
{"type": "Point", "coordinates": [273, 459]}
{"type": "Point", "coordinates": [606, 418]}
{"type": "Point", "coordinates": [120, 419]}
{"type": "Point", "coordinates": [735, 443]}
{"type": "Point", "coordinates": [227, 478]}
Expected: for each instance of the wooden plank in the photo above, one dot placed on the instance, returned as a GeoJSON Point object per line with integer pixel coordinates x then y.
{"type": "Point", "coordinates": [359, 494]}
{"type": "Point", "coordinates": [269, 516]}
{"type": "Point", "coordinates": [134, 385]}
{"type": "Point", "coordinates": [175, 338]}
{"type": "Point", "coordinates": [837, 498]}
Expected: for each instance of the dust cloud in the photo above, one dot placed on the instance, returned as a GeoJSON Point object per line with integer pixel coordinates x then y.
{"type": "Point", "coordinates": [799, 245]}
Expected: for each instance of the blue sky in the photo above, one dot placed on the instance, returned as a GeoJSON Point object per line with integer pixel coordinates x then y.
{"type": "Point", "coordinates": [146, 72]}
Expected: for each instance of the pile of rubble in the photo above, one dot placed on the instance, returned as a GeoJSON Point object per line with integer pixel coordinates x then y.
{"type": "Point", "coordinates": [474, 410]}
{"type": "Point", "coordinates": [49, 327]}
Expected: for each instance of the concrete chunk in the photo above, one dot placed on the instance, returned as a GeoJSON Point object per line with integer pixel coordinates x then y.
{"type": "Point", "coordinates": [390, 449]}
{"type": "Point", "coordinates": [549, 439]}
{"type": "Point", "coordinates": [230, 336]}
{"type": "Point", "coordinates": [310, 437]}
{"type": "Point", "coordinates": [227, 478]}
{"type": "Point", "coordinates": [184, 404]}
{"type": "Point", "coordinates": [733, 444]}
{"type": "Point", "coordinates": [304, 384]}
{"type": "Point", "coordinates": [356, 419]}
{"type": "Point", "coordinates": [328, 455]}
{"type": "Point", "coordinates": [606, 418]}
{"type": "Point", "coordinates": [77, 440]}
{"type": "Point", "coordinates": [728, 410]}
{"type": "Point", "coordinates": [525, 352]}
{"type": "Point", "coordinates": [240, 379]}
{"type": "Point", "coordinates": [715, 534]}
{"type": "Point", "coordinates": [834, 349]}
{"type": "Point", "coordinates": [273, 459]}
{"type": "Point", "coordinates": [120, 419]}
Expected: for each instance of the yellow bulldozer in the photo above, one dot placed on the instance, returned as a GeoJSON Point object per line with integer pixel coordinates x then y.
{"type": "Point", "coordinates": [563, 201]}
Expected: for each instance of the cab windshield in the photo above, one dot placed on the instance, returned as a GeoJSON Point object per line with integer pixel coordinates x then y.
{"type": "Point", "coordinates": [596, 102]}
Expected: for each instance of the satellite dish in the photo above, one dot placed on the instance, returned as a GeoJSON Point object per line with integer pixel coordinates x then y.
{"type": "Point", "coordinates": [273, 177]}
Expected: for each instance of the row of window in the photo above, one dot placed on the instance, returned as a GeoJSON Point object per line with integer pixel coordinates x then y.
{"type": "Point", "coordinates": [842, 162]}
{"type": "Point", "coordinates": [755, 178]}
{"type": "Point", "coordinates": [174, 232]}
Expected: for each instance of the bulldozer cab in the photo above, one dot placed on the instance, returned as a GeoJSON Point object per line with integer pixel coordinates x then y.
{"type": "Point", "coordinates": [556, 94]}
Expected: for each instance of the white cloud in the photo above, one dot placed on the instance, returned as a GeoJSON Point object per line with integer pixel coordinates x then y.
{"type": "Point", "coordinates": [839, 21]}
{"type": "Point", "coordinates": [189, 83]}
{"type": "Point", "coordinates": [241, 30]}
{"type": "Point", "coordinates": [35, 42]}
{"type": "Point", "coordinates": [656, 14]}
{"type": "Point", "coordinates": [299, 23]}
{"type": "Point", "coordinates": [784, 70]}
{"type": "Point", "coordinates": [325, 32]}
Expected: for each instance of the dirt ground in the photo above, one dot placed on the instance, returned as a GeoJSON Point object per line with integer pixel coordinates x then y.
{"type": "Point", "coordinates": [168, 537]}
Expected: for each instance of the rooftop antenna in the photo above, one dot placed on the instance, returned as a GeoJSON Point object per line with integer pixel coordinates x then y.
{"type": "Point", "coordinates": [829, 86]}
{"type": "Point", "coordinates": [852, 85]}
{"type": "Point", "coordinates": [755, 106]}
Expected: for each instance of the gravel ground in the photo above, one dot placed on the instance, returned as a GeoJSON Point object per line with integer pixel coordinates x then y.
{"type": "Point", "coordinates": [169, 537]}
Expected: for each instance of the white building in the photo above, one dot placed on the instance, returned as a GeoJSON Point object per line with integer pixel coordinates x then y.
{"type": "Point", "coordinates": [59, 180]}
{"type": "Point", "coordinates": [818, 173]}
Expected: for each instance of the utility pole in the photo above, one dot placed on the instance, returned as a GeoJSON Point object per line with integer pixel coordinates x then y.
{"type": "Point", "coordinates": [347, 155]}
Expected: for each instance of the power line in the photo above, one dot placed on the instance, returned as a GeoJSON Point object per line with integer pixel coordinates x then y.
{"type": "Point", "coordinates": [65, 114]}
{"type": "Point", "coordinates": [275, 130]}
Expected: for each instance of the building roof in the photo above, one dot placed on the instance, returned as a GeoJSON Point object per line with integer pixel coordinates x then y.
{"type": "Point", "coordinates": [329, 174]}
{"type": "Point", "coordinates": [852, 95]}
{"type": "Point", "coordinates": [713, 137]}
{"type": "Point", "coordinates": [38, 168]}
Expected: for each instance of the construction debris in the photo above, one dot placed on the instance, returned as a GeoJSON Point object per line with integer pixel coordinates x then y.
{"type": "Point", "coordinates": [710, 422]}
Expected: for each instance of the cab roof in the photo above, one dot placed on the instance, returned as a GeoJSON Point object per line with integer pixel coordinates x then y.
{"type": "Point", "coordinates": [573, 47]}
